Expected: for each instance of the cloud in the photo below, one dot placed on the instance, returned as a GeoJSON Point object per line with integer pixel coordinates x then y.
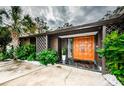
{"type": "Point", "coordinates": [89, 14]}
{"type": "Point", "coordinates": [57, 15]}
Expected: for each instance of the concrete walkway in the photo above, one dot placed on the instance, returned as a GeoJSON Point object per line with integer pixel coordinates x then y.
{"type": "Point", "coordinates": [60, 75]}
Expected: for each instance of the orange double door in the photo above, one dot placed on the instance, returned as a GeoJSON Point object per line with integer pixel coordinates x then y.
{"type": "Point", "coordinates": [84, 48]}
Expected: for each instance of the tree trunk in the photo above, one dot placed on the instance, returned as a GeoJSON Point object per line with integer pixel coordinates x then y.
{"type": "Point", "coordinates": [15, 41]}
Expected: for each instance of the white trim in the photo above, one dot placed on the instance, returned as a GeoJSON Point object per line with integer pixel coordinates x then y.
{"type": "Point", "coordinates": [77, 35]}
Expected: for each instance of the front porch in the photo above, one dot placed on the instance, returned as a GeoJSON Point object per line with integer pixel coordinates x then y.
{"type": "Point", "coordinates": [80, 47]}
{"type": "Point", "coordinates": [79, 51]}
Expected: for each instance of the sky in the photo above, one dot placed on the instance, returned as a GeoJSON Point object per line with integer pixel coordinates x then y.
{"type": "Point", "coordinates": [58, 15]}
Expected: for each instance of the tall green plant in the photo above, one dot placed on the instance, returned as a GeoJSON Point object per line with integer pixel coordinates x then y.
{"type": "Point", "coordinates": [41, 25]}
{"type": "Point", "coordinates": [114, 54]}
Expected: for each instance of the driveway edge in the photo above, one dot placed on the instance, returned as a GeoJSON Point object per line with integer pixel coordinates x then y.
{"type": "Point", "coordinates": [24, 74]}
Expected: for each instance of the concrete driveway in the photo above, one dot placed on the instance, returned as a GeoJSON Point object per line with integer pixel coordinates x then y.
{"type": "Point", "coordinates": [59, 75]}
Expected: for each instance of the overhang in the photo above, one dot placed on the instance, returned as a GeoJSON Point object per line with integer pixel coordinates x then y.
{"type": "Point", "coordinates": [78, 35]}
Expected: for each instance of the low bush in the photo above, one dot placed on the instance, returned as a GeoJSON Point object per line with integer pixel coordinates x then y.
{"type": "Point", "coordinates": [31, 57]}
{"type": "Point", "coordinates": [3, 56]}
{"type": "Point", "coordinates": [114, 54]}
{"type": "Point", "coordinates": [47, 57]}
{"type": "Point", "coordinates": [26, 52]}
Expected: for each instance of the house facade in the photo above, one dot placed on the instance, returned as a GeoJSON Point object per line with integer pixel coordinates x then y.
{"type": "Point", "coordinates": [80, 41]}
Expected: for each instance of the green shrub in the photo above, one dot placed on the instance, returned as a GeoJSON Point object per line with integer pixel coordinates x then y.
{"type": "Point", "coordinates": [2, 56]}
{"type": "Point", "coordinates": [100, 51]}
{"type": "Point", "coordinates": [25, 52]}
{"type": "Point", "coordinates": [114, 54]}
{"type": "Point", "coordinates": [47, 57]}
{"type": "Point", "coordinates": [31, 57]}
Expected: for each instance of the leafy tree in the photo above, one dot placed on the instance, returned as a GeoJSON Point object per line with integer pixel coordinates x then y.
{"type": "Point", "coordinates": [41, 24]}
{"type": "Point", "coordinates": [5, 37]}
{"type": "Point", "coordinates": [118, 10]}
{"type": "Point", "coordinates": [111, 14]}
{"type": "Point", "coordinates": [65, 25]}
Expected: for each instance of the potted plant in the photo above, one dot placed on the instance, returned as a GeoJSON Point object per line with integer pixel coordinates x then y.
{"type": "Point", "coordinates": [63, 55]}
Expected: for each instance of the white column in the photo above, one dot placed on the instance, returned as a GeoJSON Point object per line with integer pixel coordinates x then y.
{"type": "Point", "coordinates": [69, 48]}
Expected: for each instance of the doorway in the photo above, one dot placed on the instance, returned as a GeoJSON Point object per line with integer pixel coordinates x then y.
{"type": "Point", "coordinates": [84, 48]}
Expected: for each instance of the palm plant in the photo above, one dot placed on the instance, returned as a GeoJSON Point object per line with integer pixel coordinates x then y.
{"type": "Point", "coordinates": [3, 12]}
{"type": "Point", "coordinates": [28, 25]}
{"type": "Point", "coordinates": [16, 23]}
